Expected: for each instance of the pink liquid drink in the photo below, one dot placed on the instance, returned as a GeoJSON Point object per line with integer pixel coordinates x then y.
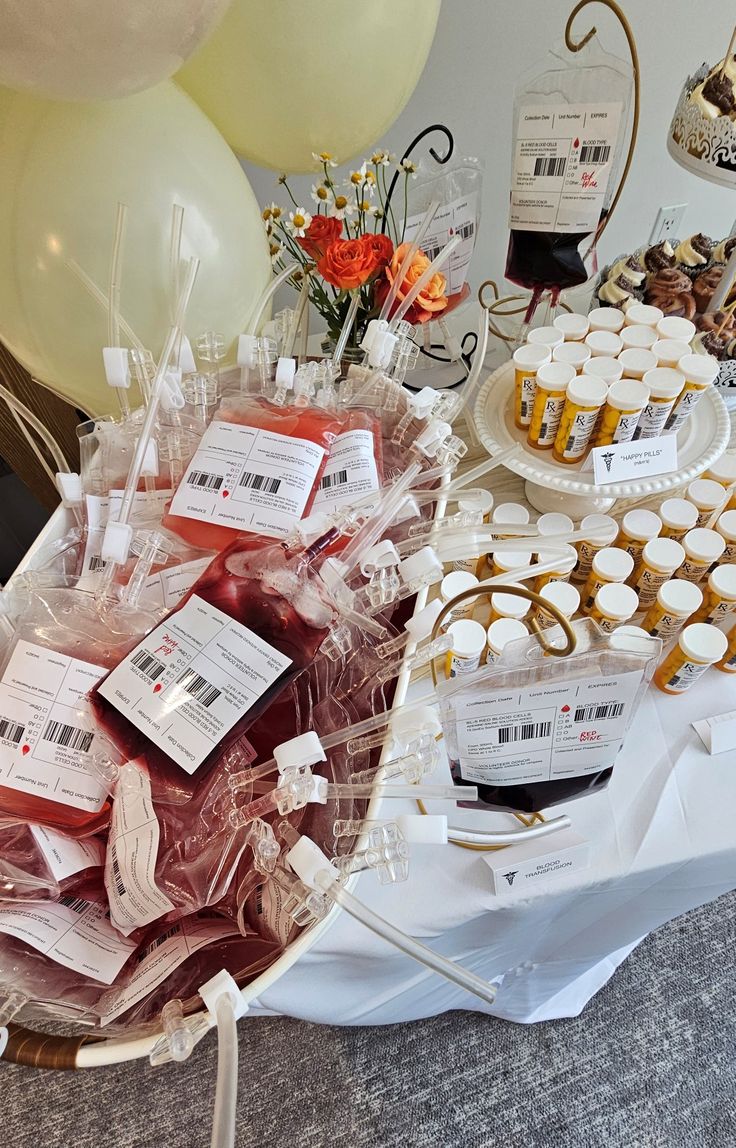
{"type": "Point", "coordinates": [257, 469]}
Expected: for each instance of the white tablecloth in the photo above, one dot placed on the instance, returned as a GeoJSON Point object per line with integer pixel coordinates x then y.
{"type": "Point", "coordinates": [663, 839]}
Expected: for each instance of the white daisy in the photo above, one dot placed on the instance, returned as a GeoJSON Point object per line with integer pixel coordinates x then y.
{"type": "Point", "coordinates": [408, 167]}
{"type": "Point", "coordinates": [341, 206]}
{"type": "Point", "coordinates": [380, 158]}
{"type": "Point", "coordinates": [324, 157]}
{"type": "Point", "coordinates": [363, 177]}
{"type": "Point", "coordinates": [320, 194]}
{"type": "Point", "coordinates": [298, 222]}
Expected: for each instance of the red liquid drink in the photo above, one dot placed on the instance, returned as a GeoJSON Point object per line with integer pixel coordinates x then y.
{"type": "Point", "coordinates": [257, 469]}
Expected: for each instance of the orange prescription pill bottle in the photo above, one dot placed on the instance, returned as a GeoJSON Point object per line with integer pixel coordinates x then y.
{"type": "Point", "coordinates": [614, 604]}
{"type": "Point", "coordinates": [608, 565]}
{"type": "Point", "coordinates": [605, 368]}
{"type": "Point", "coordinates": [700, 372]}
{"type": "Point", "coordinates": [625, 401]}
{"type": "Point", "coordinates": [728, 661]}
{"type": "Point", "coordinates": [574, 327]}
{"type": "Point", "coordinates": [665, 385]}
{"type": "Point", "coordinates": [724, 471]}
{"type": "Point", "coordinates": [606, 319]}
{"type": "Point", "coordinates": [640, 338]}
{"type": "Point", "coordinates": [726, 526]}
{"type": "Point", "coordinates": [675, 327]}
{"type": "Point", "coordinates": [584, 398]}
{"type": "Point", "coordinates": [604, 343]}
{"type": "Point", "coordinates": [670, 351]}
{"type": "Point", "coordinates": [707, 497]}
{"type": "Point", "coordinates": [642, 313]}
{"type": "Point", "coordinates": [552, 383]}
{"type": "Point", "coordinates": [509, 606]}
{"type": "Point", "coordinates": [676, 601]}
{"type": "Point", "coordinates": [506, 561]}
{"type": "Point", "coordinates": [560, 594]}
{"type": "Point", "coordinates": [576, 354]}
{"type": "Point", "coordinates": [637, 528]}
{"type": "Point", "coordinates": [545, 337]}
{"type": "Point", "coordinates": [678, 516]}
{"type": "Point", "coordinates": [527, 361]}
{"type": "Point", "coordinates": [702, 548]}
{"type": "Point", "coordinates": [719, 596]}
{"type": "Point", "coordinates": [635, 361]}
{"type": "Point", "coordinates": [698, 647]}
{"type": "Point", "coordinates": [600, 530]}
{"type": "Point", "coordinates": [659, 560]}
{"type": "Point", "coordinates": [468, 646]}
{"type": "Point", "coordinates": [565, 558]}
{"type": "Point", "coordinates": [500, 633]}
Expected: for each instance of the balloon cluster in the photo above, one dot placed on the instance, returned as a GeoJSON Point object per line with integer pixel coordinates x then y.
{"type": "Point", "coordinates": [89, 119]}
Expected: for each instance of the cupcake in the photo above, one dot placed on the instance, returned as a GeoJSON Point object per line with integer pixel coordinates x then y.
{"type": "Point", "coordinates": [618, 291]}
{"type": "Point", "coordinates": [719, 322]}
{"type": "Point", "coordinates": [659, 256]}
{"type": "Point", "coordinates": [695, 251]}
{"type": "Point", "coordinates": [723, 252]}
{"type": "Point", "coordinates": [708, 343]}
{"type": "Point", "coordinates": [705, 284]}
{"type": "Point", "coordinates": [672, 291]}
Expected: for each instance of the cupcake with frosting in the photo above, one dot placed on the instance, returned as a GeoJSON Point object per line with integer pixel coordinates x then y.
{"type": "Point", "coordinates": [695, 251]}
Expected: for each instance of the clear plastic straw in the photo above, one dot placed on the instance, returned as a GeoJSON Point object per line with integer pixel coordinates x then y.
{"type": "Point", "coordinates": [472, 384]}
{"type": "Point", "coordinates": [297, 319]}
{"type": "Point", "coordinates": [265, 299]}
{"type": "Point", "coordinates": [101, 298]}
{"type": "Point", "coordinates": [113, 312]}
{"type": "Point", "coordinates": [177, 226]}
{"type": "Point", "coordinates": [346, 329]}
{"type": "Point", "coordinates": [481, 469]}
{"type": "Point", "coordinates": [43, 433]}
{"type": "Point", "coordinates": [420, 792]}
{"type": "Point", "coordinates": [375, 526]}
{"type": "Point", "coordinates": [407, 260]}
{"type": "Point", "coordinates": [423, 280]}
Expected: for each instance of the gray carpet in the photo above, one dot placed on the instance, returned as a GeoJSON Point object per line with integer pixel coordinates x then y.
{"type": "Point", "coordinates": [649, 1064]}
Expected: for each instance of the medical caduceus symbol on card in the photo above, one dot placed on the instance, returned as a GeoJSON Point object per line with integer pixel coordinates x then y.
{"type": "Point", "coordinates": [510, 876]}
{"type": "Point", "coordinates": [608, 459]}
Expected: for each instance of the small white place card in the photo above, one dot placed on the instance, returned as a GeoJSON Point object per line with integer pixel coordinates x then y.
{"type": "Point", "coordinates": [624, 461]}
{"type": "Point", "coordinates": [717, 733]}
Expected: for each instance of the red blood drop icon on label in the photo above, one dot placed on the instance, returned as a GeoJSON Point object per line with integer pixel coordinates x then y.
{"type": "Point", "coordinates": [226, 494]}
{"type": "Point", "coordinates": [25, 749]}
{"type": "Point", "coordinates": [157, 688]}
{"type": "Point", "coordinates": [577, 142]}
{"type": "Point", "coordinates": [565, 709]}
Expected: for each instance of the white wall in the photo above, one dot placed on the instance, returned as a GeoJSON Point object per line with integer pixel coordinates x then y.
{"type": "Point", "coordinates": [481, 46]}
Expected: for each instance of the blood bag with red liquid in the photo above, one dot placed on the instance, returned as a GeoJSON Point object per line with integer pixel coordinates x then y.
{"type": "Point", "coordinates": [570, 120]}
{"type": "Point", "coordinates": [39, 864]}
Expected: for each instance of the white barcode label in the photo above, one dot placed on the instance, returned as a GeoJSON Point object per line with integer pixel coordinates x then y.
{"type": "Point", "coordinates": [543, 732]}
{"type": "Point", "coordinates": [159, 959]}
{"type": "Point", "coordinates": [248, 479]}
{"type": "Point", "coordinates": [46, 732]}
{"type": "Point", "coordinates": [66, 856]}
{"type": "Point", "coordinates": [168, 587]}
{"type": "Point", "coordinates": [688, 673]}
{"type": "Point", "coordinates": [130, 867]}
{"type": "Point", "coordinates": [350, 473]}
{"type": "Point", "coordinates": [458, 217]}
{"type": "Point", "coordinates": [562, 166]}
{"type": "Point", "coordinates": [96, 563]}
{"type": "Point", "coordinates": [581, 429]}
{"type": "Point", "coordinates": [192, 679]}
{"type": "Point", "coordinates": [73, 932]}
{"type": "Point", "coordinates": [551, 415]}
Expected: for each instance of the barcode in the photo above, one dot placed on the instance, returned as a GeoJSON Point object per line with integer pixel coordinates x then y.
{"type": "Point", "coordinates": [116, 874]}
{"type": "Point", "coordinates": [76, 904]}
{"type": "Point", "coordinates": [69, 736]}
{"type": "Point", "coordinates": [465, 230]}
{"type": "Point", "coordinates": [11, 731]}
{"type": "Point", "coordinates": [570, 443]}
{"type": "Point", "coordinates": [339, 478]}
{"type": "Point", "coordinates": [200, 689]}
{"type": "Point", "coordinates": [172, 932]}
{"type": "Point", "coordinates": [204, 480]}
{"type": "Point", "coordinates": [260, 482]}
{"type": "Point", "coordinates": [550, 165]}
{"type": "Point", "coordinates": [595, 153]}
{"type": "Point", "coordinates": [148, 665]}
{"type": "Point", "coordinates": [96, 563]}
{"type": "Point", "coordinates": [543, 431]}
{"type": "Point", "coordinates": [431, 252]}
{"type": "Point", "coordinates": [526, 732]}
{"type": "Point", "coordinates": [596, 712]}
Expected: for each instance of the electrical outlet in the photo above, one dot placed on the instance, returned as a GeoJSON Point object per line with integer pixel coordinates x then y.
{"type": "Point", "coordinates": [667, 222]}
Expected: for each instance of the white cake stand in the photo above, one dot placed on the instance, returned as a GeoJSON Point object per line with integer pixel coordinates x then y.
{"type": "Point", "coordinates": [552, 485]}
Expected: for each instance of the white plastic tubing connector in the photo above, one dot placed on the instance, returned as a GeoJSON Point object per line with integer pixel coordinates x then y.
{"type": "Point", "coordinates": [225, 1003]}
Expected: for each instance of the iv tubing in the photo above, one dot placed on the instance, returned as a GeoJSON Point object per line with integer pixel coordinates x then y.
{"type": "Point", "coordinates": [32, 443]}
{"type": "Point", "coordinates": [508, 836]}
{"type": "Point", "coordinates": [113, 303]}
{"type": "Point", "coordinates": [100, 297]}
{"type": "Point", "coordinates": [42, 432]}
{"type": "Point", "coordinates": [406, 261]}
{"type": "Point", "coordinates": [423, 280]}
{"type": "Point", "coordinates": [226, 1095]}
{"type": "Point", "coordinates": [413, 948]}
{"type": "Point", "coordinates": [266, 297]}
{"type": "Point", "coordinates": [346, 328]}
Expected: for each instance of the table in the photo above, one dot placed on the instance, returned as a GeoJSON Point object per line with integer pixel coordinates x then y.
{"type": "Point", "coordinates": [663, 842]}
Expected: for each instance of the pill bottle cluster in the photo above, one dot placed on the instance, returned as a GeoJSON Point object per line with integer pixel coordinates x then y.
{"type": "Point", "coordinates": [607, 377]}
{"type": "Point", "coordinates": [671, 572]}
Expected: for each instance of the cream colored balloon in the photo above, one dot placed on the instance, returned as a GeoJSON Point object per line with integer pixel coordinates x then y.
{"type": "Point", "coordinates": [99, 49]}
{"type": "Point", "coordinates": [284, 78]}
{"type": "Point", "coordinates": [65, 167]}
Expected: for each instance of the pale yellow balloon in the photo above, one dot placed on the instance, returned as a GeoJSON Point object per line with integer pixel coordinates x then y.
{"type": "Point", "coordinates": [284, 78]}
{"type": "Point", "coordinates": [65, 167]}
{"type": "Point", "coordinates": [99, 49]}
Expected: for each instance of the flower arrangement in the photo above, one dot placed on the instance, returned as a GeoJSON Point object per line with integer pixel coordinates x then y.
{"type": "Point", "coordinates": [341, 248]}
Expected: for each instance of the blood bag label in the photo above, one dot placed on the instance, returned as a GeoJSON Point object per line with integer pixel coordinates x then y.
{"type": "Point", "coordinates": [46, 736]}
{"type": "Point", "coordinates": [544, 732]}
{"type": "Point", "coordinates": [168, 587]}
{"type": "Point", "coordinates": [71, 931]}
{"type": "Point", "coordinates": [66, 856]}
{"type": "Point", "coordinates": [248, 479]}
{"type": "Point", "coordinates": [157, 961]}
{"type": "Point", "coordinates": [350, 473]}
{"type": "Point", "coordinates": [148, 506]}
{"type": "Point", "coordinates": [130, 867]}
{"type": "Point", "coordinates": [459, 217]}
{"type": "Point", "coordinates": [562, 165]}
{"type": "Point", "coordinates": [192, 679]}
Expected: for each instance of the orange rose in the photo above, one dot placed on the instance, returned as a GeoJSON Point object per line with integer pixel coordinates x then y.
{"type": "Point", "coordinates": [430, 301]}
{"type": "Point", "coordinates": [381, 247]}
{"type": "Point", "coordinates": [322, 231]}
{"type": "Point", "coordinates": [347, 263]}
